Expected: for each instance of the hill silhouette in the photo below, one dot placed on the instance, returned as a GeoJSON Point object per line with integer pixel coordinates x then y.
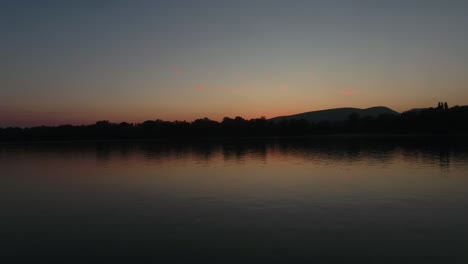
{"type": "Point", "coordinates": [374, 120]}
{"type": "Point", "coordinates": [337, 114]}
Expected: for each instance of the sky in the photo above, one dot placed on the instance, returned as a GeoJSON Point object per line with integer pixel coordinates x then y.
{"type": "Point", "coordinates": [76, 62]}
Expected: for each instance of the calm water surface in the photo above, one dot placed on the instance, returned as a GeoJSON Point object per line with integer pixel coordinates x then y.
{"type": "Point", "coordinates": [333, 200]}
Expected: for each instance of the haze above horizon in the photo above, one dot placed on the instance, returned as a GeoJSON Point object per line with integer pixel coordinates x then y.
{"type": "Point", "coordinates": [77, 62]}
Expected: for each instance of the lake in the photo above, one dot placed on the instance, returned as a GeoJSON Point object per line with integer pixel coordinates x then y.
{"type": "Point", "coordinates": [309, 200]}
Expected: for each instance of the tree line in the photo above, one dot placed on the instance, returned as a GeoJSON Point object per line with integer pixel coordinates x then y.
{"type": "Point", "coordinates": [440, 120]}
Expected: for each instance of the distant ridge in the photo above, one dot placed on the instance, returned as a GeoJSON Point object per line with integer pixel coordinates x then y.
{"type": "Point", "coordinates": [337, 114]}
{"type": "Point", "coordinates": [384, 121]}
{"type": "Point", "coordinates": [416, 110]}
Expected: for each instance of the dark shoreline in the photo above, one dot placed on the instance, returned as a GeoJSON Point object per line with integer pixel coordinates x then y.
{"type": "Point", "coordinates": [431, 122]}
{"type": "Point", "coordinates": [444, 137]}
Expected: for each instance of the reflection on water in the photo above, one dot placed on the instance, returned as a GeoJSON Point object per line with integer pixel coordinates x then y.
{"type": "Point", "coordinates": [332, 199]}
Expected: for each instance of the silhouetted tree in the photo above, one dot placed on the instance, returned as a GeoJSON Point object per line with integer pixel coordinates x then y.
{"type": "Point", "coordinates": [103, 124]}
{"type": "Point", "coordinates": [440, 106]}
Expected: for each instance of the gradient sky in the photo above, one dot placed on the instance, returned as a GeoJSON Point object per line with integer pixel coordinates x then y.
{"type": "Point", "coordinates": [81, 61]}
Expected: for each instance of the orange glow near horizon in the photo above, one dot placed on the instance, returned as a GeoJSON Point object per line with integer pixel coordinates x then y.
{"type": "Point", "coordinates": [31, 118]}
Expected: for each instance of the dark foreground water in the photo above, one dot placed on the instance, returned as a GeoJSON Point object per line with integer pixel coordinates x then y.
{"type": "Point", "coordinates": [322, 200]}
